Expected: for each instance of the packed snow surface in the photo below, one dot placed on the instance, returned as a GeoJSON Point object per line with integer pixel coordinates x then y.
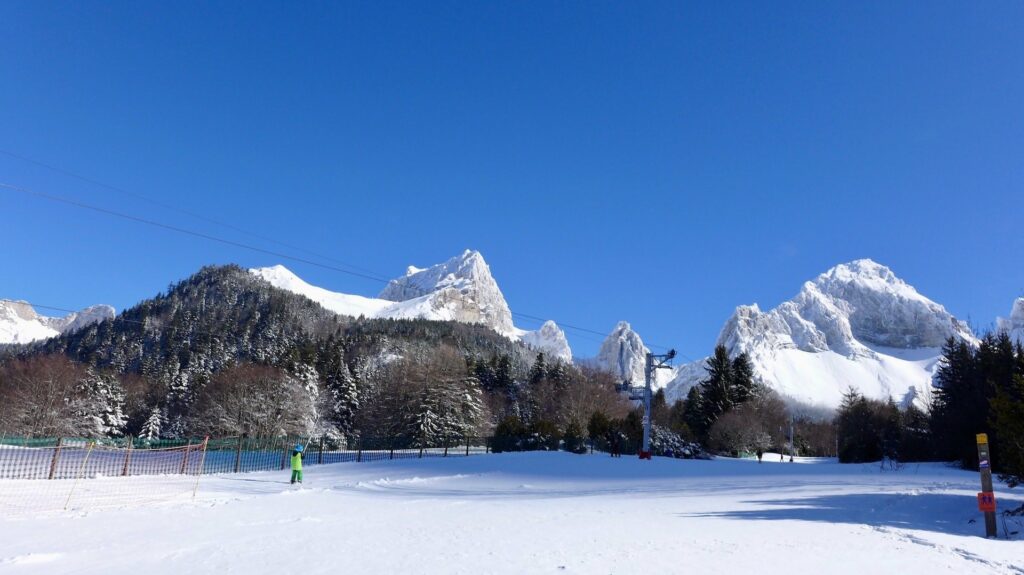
{"type": "Point", "coordinates": [856, 325]}
{"type": "Point", "coordinates": [537, 513]}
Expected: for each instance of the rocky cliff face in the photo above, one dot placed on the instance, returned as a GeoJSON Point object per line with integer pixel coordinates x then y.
{"type": "Point", "coordinates": [624, 354]}
{"type": "Point", "coordinates": [462, 288]}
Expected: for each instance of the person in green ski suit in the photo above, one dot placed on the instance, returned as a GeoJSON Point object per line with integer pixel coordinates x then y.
{"type": "Point", "coordinates": [297, 464]}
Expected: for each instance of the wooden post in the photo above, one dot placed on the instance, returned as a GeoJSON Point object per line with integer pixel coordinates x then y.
{"type": "Point", "coordinates": [184, 459]}
{"type": "Point", "coordinates": [127, 458]}
{"type": "Point", "coordinates": [467, 447]}
{"type": "Point", "coordinates": [56, 455]}
{"type": "Point", "coordinates": [320, 453]}
{"type": "Point", "coordinates": [986, 499]}
{"type": "Point", "coordinates": [238, 455]}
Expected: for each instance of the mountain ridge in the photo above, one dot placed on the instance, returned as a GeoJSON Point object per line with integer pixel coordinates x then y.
{"type": "Point", "coordinates": [856, 324]}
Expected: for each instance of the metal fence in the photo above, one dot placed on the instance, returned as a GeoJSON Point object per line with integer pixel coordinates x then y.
{"type": "Point", "coordinates": [72, 458]}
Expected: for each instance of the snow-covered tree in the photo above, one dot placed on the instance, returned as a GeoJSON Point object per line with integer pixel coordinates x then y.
{"type": "Point", "coordinates": [103, 404]}
{"type": "Point", "coordinates": [343, 396]}
{"type": "Point", "coordinates": [151, 428]}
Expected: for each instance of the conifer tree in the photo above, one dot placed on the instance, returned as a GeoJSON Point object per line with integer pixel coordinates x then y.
{"type": "Point", "coordinates": [103, 404]}
{"type": "Point", "coordinates": [539, 370]}
{"type": "Point", "coordinates": [716, 389]}
{"type": "Point", "coordinates": [151, 428]}
{"type": "Point", "coordinates": [742, 384]}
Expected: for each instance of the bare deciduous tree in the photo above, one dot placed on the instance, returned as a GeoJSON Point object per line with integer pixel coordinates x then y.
{"type": "Point", "coordinates": [41, 396]}
{"type": "Point", "coordinates": [258, 400]}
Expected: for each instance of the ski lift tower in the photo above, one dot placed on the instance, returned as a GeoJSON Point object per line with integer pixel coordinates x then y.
{"type": "Point", "coordinates": [636, 392]}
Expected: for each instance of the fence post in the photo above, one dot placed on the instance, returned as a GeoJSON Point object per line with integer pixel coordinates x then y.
{"type": "Point", "coordinates": [238, 455]}
{"type": "Point", "coordinates": [202, 464]}
{"type": "Point", "coordinates": [467, 447]}
{"type": "Point", "coordinates": [284, 455]}
{"type": "Point", "coordinates": [320, 453]}
{"type": "Point", "coordinates": [56, 455]}
{"type": "Point", "coordinates": [359, 453]}
{"type": "Point", "coordinates": [392, 443]}
{"type": "Point", "coordinates": [127, 457]}
{"type": "Point", "coordinates": [81, 471]}
{"type": "Point", "coordinates": [446, 442]}
{"type": "Point", "coordinates": [184, 458]}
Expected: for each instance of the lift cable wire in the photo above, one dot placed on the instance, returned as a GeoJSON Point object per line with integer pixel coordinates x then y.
{"type": "Point", "coordinates": [233, 243]}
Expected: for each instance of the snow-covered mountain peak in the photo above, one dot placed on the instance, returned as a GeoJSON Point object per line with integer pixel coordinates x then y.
{"type": "Point", "coordinates": [461, 289]}
{"type": "Point", "coordinates": [20, 323]}
{"type": "Point", "coordinates": [1013, 325]}
{"type": "Point", "coordinates": [466, 286]}
{"type": "Point", "coordinates": [856, 324]}
{"type": "Point", "coordinates": [549, 339]}
{"type": "Point", "coordinates": [623, 353]}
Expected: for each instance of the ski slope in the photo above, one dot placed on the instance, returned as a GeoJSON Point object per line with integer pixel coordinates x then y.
{"type": "Point", "coordinates": [537, 513]}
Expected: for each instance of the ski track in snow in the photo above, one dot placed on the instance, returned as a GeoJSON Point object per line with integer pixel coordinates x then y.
{"type": "Point", "coordinates": [536, 513]}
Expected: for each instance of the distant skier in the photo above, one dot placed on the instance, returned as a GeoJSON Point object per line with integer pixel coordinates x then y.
{"type": "Point", "coordinates": [297, 463]}
{"type": "Point", "coordinates": [613, 443]}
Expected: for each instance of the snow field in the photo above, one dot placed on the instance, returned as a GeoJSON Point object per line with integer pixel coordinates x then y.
{"type": "Point", "coordinates": [538, 513]}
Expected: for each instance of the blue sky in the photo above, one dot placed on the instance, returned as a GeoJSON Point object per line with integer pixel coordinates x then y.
{"type": "Point", "coordinates": [655, 162]}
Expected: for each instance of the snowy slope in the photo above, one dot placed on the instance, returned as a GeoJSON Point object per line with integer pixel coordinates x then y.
{"type": "Point", "coordinates": [19, 322]}
{"type": "Point", "coordinates": [527, 513]}
{"type": "Point", "coordinates": [855, 325]}
{"type": "Point", "coordinates": [1013, 325]}
{"type": "Point", "coordinates": [461, 289]}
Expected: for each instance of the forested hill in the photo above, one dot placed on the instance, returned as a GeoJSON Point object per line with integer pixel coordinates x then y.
{"type": "Point", "coordinates": [164, 355]}
{"type": "Point", "coordinates": [219, 316]}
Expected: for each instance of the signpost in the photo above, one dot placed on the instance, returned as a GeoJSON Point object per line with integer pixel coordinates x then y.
{"type": "Point", "coordinates": [986, 499]}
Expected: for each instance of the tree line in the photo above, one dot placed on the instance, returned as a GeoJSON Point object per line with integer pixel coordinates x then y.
{"type": "Point", "coordinates": [977, 389]}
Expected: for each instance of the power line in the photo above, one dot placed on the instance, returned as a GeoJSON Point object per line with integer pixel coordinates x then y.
{"type": "Point", "coordinates": [233, 243]}
{"type": "Point", "coordinates": [233, 227]}
{"type": "Point", "coordinates": [174, 208]}
{"type": "Point", "coordinates": [185, 231]}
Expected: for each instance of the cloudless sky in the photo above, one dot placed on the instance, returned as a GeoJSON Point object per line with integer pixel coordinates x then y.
{"type": "Point", "coordinates": [655, 162]}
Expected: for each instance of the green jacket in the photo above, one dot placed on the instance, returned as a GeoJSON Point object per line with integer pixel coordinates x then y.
{"type": "Point", "coordinates": [296, 461]}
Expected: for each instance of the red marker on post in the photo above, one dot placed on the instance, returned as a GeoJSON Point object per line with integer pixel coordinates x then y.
{"type": "Point", "coordinates": [986, 499]}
